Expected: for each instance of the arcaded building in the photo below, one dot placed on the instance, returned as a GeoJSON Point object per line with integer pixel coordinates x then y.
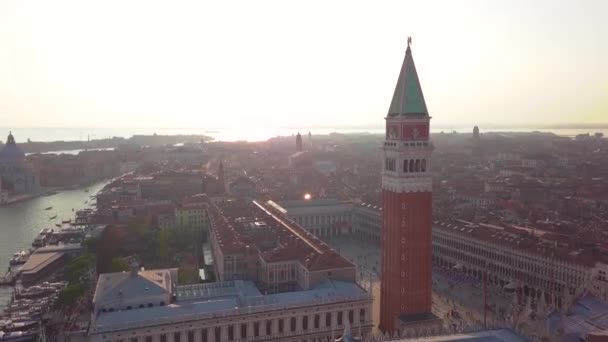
{"type": "Point", "coordinates": [407, 207]}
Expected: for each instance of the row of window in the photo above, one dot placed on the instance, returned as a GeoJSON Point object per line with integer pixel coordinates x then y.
{"type": "Point", "coordinates": [409, 166]}
{"type": "Point", "coordinates": [236, 332]}
{"type": "Point", "coordinates": [306, 221]}
{"type": "Point", "coordinates": [517, 262]}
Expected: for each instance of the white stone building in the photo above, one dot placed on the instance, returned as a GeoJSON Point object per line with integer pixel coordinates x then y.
{"type": "Point", "coordinates": [224, 311]}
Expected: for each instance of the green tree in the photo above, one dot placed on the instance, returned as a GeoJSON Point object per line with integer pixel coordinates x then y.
{"type": "Point", "coordinates": [187, 274]}
{"type": "Point", "coordinates": [162, 246]}
{"type": "Point", "coordinates": [68, 296]}
{"type": "Point", "coordinates": [78, 268]}
{"type": "Point", "coordinates": [118, 265]}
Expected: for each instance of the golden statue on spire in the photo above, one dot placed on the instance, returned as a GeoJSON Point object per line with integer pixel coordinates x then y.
{"type": "Point", "coordinates": [409, 41]}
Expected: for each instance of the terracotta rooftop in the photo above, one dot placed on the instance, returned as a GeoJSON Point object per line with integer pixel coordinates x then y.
{"type": "Point", "coordinates": [243, 227]}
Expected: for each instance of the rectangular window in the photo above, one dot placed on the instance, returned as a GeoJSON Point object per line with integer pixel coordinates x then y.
{"type": "Point", "coordinates": [339, 317]}
{"type": "Point", "coordinates": [203, 335]}
{"type": "Point", "coordinates": [177, 337]}
{"type": "Point", "coordinates": [133, 339]}
{"type": "Point", "coordinates": [268, 327]}
{"type": "Point", "coordinates": [163, 337]}
{"type": "Point", "coordinates": [390, 164]}
{"type": "Point", "coordinates": [190, 336]}
{"type": "Point", "coordinates": [148, 338]}
{"type": "Point", "coordinates": [256, 329]}
{"type": "Point", "coordinates": [243, 330]}
{"type": "Point", "coordinates": [362, 315]}
{"type": "Point", "coordinates": [351, 316]}
{"type": "Point", "coordinates": [293, 324]}
{"type": "Point", "coordinates": [218, 334]}
{"type": "Point", "coordinates": [317, 321]}
{"type": "Point", "coordinates": [305, 322]}
{"type": "Point", "coordinates": [280, 325]}
{"type": "Point", "coordinates": [328, 319]}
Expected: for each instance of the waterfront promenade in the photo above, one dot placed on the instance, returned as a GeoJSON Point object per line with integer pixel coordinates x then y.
{"type": "Point", "coordinates": [21, 222]}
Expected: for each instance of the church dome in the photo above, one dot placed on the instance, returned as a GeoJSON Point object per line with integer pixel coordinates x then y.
{"type": "Point", "coordinates": [11, 152]}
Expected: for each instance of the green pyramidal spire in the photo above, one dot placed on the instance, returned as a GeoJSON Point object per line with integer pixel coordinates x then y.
{"type": "Point", "coordinates": [408, 99]}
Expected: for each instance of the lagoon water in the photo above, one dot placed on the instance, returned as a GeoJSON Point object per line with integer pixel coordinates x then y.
{"type": "Point", "coordinates": [21, 222]}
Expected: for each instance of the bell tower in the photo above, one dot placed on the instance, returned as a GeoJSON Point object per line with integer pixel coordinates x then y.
{"type": "Point", "coordinates": [407, 208]}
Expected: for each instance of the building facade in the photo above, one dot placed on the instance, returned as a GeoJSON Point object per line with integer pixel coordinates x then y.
{"type": "Point", "coordinates": [225, 311]}
{"type": "Point", "coordinates": [367, 222]}
{"type": "Point", "coordinates": [407, 208]}
{"type": "Point", "coordinates": [17, 176]}
{"type": "Point", "coordinates": [322, 217]}
{"type": "Point", "coordinates": [514, 262]}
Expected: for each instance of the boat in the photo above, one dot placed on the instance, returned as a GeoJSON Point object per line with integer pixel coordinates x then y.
{"type": "Point", "coordinates": [46, 231]}
{"type": "Point", "coordinates": [53, 217]}
{"type": "Point", "coordinates": [21, 326]}
{"type": "Point", "coordinates": [39, 241]}
{"type": "Point", "coordinates": [86, 190]}
{"type": "Point", "coordinates": [19, 258]}
{"type": "Point", "coordinates": [18, 336]}
{"type": "Point", "coordinates": [48, 208]}
{"type": "Point", "coordinates": [57, 225]}
{"type": "Point", "coordinates": [66, 221]}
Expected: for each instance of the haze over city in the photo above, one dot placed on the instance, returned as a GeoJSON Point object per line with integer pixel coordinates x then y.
{"type": "Point", "coordinates": [280, 63]}
{"type": "Point", "coordinates": [282, 171]}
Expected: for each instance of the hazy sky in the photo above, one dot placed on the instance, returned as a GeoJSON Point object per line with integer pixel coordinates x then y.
{"type": "Point", "coordinates": [299, 63]}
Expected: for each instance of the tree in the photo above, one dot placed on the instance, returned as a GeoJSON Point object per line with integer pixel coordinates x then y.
{"type": "Point", "coordinates": [162, 246]}
{"type": "Point", "coordinates": [70, 294]}
{"type": "Point", "coordinates": [118, 265]}
{"type": "Point", "coordinates": [187, 274]}
{"type": "Point", "coordinates": [78, 268]}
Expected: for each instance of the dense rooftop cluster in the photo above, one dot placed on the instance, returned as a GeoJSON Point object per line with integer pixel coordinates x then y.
{"type": "Point", "coordinates": [257, 228]}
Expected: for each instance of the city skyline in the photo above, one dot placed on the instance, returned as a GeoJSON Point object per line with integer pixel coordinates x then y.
{"type": "Point", "coordinates": [238, 64]}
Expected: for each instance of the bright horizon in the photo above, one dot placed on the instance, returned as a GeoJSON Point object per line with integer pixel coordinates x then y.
{"type": "Point", "coordinates": [299, 64]}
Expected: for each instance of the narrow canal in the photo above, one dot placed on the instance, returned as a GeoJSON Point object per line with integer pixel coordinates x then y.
{"type": "Point", "coordinates": [21, 222]}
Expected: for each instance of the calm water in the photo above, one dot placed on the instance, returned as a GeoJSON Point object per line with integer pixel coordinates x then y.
{"type": "Point", "coordinates": [21, 222]}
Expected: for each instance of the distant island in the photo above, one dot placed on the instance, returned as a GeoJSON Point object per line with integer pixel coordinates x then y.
{"type": "Point", "coordinates": [114, 142]}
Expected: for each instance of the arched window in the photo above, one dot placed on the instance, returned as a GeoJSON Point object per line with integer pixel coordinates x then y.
{"type": "Point", "coordinates": [423, 165]}
{"type": "Point", "coordinates": [417, 165]}
{"type": "Point", "coordinates": [411, 165]}
{"type": "Point", "coordinates": [405, 165]}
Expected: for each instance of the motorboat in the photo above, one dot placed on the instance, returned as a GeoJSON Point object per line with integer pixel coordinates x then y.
{"type": "Point", "coordinates": [48, 208]}
{"type": "Point", "coordinates": [53, 217]}
{"type": "Point", "coordinates": [19, 258]}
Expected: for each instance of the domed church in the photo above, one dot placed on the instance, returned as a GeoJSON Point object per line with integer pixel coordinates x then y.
{"type": "Point", "coordinates": [16, 175]}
